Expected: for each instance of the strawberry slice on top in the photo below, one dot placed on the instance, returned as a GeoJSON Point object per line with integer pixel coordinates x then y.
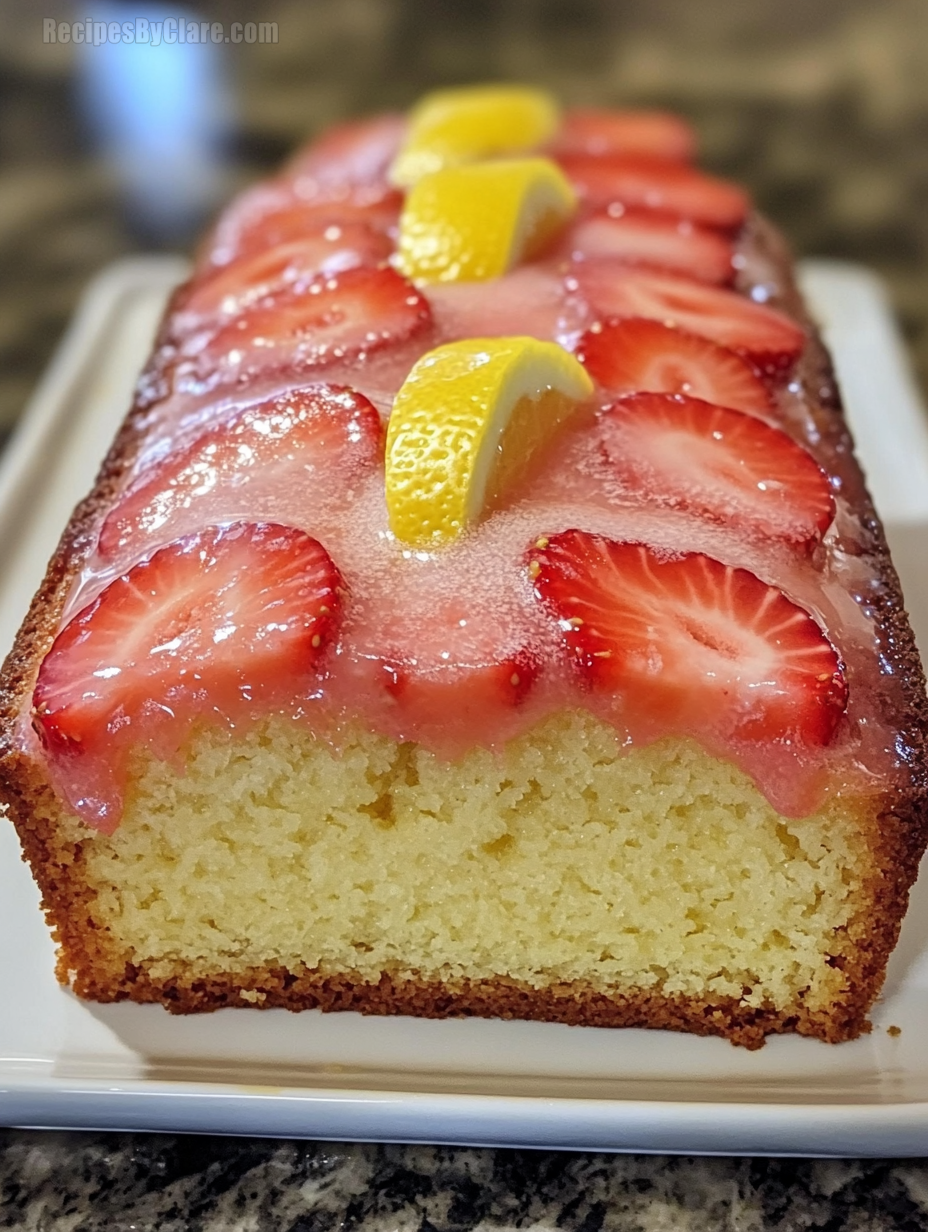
{"type": "Point", "coordinates": [335, 317]}
{"type": "Point", "coordinates": [295, 458]}
{"type": "Point", "coordinates": [226, 623]}
{"type": "Point", "coordinates": [769, 339]}
{"type": "Point", "coordinates": [656, 184]}
{"type": "Point", "coordinates": [444, 651]}
{"type": "Point", "coordinates": [629, 354]}
{"type": "Point", "coordinates": [274, 213]}
{"type": "Point", "coordinates": [355, 153]}
{"type": "Point", "coordinates": [720, 465]}
{"type": "Point", "coordinates": [689, 645]}
{"type": "Point", "coordinates": [226, 290]}
{"type": "Point", "coordinates": [656, 134]}
{"type": "Point", "coordinates": [641, 237]}
{"type": "Point", "coordinates": [444, 703]}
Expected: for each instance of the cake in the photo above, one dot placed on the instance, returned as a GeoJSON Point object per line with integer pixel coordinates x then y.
{"type": "Point", "coordinates": [481, 611]}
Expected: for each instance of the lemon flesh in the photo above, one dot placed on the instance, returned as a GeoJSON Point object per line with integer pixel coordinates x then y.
{"type": "Point", "coordinates": [476, 122]}
{"type": "Point", "coordinates": [469, 224]}
{"type": "Point", "coordinates": [465, 426]}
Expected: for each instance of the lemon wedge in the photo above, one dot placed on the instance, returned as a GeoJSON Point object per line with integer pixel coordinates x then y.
{"type": "Point", "coordinates": [475, 122]}
{"type": "Point", "coordinates": [465, 426]}
{"type": "Point", "coordinates": [468, 224]}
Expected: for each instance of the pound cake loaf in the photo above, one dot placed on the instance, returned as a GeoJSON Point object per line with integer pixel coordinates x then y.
{"type": "Point", "coordinates": [481, 611]}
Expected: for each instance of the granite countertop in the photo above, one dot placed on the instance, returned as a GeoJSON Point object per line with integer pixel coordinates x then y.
{"type": "Point", "coordinates": [123, 1182]}
{"type": "Point", "coordinates": [822, 109]}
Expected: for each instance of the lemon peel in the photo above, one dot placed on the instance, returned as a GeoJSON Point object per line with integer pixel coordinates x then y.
{"type": "Point", "coordinates": [449, 127]}
{"type": "Point", "coordinates": [465, 425]}
{"type": "Point", "coordinates": [473, 223]}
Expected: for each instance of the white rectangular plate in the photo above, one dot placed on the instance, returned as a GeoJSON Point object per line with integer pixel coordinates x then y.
{"type": "Point", "coordinates": [68, 1064]}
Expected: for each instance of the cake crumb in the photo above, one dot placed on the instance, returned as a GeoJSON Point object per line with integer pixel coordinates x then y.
{"type": "Point", "coordinates": [337, 842]}
{"type": "Point", "coordinates": [894, 1031]}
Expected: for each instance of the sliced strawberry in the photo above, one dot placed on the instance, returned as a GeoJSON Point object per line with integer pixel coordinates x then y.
{"type": "Point", "coordinates": [632, 354]}
{"type": "Point", "coordinates": [226, 290]}
{"type": "Point", "coordinates": [432, 695]}
{"type": "Point", "coordinates": [298, 454]}
{"type": "Point", "coordinates": [641, 237]}
{"type": "Point", "coordinates": [688, 644]}
{"type": "Point", "coordinates": [222, 624]}
{"type": "Point", "coordinates": [768, 338]}
{"type": "Point", "coordinates": [447, 654]}
{"type": "Point", "coordinates": [721, 465]}
{"type": "Point", "coordinates": [274, 213]}
{"type": "Point", "coordinates": [302, 219]}
{"type": "Point", "coordinates": [346, 315]}
{"type": "Point", "coordinates": [359, 152]}
{"type": "Point", "coordinates": [656, 184]}
{"type": "Point", "coordinates": [652, 133]}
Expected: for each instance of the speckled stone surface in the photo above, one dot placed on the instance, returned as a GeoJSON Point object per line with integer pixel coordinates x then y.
{"type": "Point", "coordinates": [114, 1183]}
{"type": "Point", "coordinates": [821, 108]}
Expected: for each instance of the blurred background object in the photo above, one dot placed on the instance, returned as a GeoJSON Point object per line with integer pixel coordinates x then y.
{"type": "Point", "coordinates": [158, 112]}
{"type": "Point", "coordinates": [819, 106]}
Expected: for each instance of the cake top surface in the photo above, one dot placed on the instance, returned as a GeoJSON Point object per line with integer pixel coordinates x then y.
{"type": "Point", "coordinates": [468, 417]}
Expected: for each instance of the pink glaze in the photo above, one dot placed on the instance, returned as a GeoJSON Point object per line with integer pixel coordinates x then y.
{"type": "Point", "coordinates": [452, 648]}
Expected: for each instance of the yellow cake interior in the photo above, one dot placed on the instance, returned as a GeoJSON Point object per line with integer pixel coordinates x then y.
{"type": "Point", "coordinates": [564, 858]}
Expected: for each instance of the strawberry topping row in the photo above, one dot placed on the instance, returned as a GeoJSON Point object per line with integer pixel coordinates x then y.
{"type": "Point", "coordinates": [279, 286]}
{"type": "Point", "coordinates": [242, 619]}
{"type": "Point", "coordinates": [239, 586]}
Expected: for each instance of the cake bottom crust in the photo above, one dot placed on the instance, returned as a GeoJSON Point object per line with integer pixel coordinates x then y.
{"type": "Point", "coordinates": [573, 1004]}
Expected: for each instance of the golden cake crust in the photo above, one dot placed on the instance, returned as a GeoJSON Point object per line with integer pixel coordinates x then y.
{"type": "Point", "coordinates": [898, 825]}
{"type": "Point", "coordinates": [573, 1004]}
